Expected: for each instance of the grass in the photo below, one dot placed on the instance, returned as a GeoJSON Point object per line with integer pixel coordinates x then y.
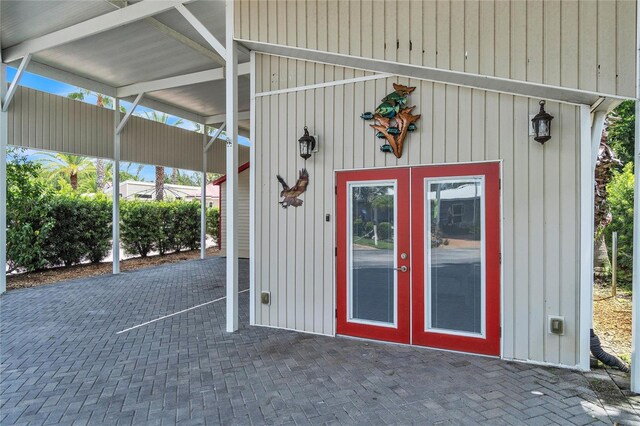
{"type": "Point", "coordinates": [382, 244]}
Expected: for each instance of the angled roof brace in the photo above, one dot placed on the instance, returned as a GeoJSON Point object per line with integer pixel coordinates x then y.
{"type": "Point", "coordinates": [215, 136]}
{"type": "Point", "coordinates": [129, 113]}
{"type": "Point", "coordinates": [16, 80]}
{"type": "Point", "coordinates": [202, 30]}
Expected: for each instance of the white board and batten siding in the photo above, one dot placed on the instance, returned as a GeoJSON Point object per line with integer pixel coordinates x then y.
{"type": "Point", "coordinates": [588, 45]}
{"type": "Point", "coordinates": [43, 121]}
{"type": "Point", "coordinates": [540, 188]}
{"type": "Point", "coordinates": [242, 222]}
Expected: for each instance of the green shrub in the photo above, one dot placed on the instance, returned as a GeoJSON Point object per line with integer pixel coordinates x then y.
{"type": "Point", "coordinates": [213, 222]}
{"type": "Point", "coordinates": [28, 219]}
{"type": "Point", "coordinates": [165, 237]}
{"type": "Point", "coordinates": [186, 224]}
{"type": "Point", "coordinates": [384, 230]}
{"type": "Point", "coordinates": [98, 229]}
{"type": "Point", "coordinates": [140, 226]}
{"type": "Point", "coordinates": [65, 244]}
{"type": "Point", "coordinates": [620, 190]}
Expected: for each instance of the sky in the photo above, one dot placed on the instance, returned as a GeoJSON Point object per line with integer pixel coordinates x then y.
{"type": "Point", "coordinates": [47, 85]}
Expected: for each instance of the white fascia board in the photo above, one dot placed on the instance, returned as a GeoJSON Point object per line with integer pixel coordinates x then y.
{"type": "Point", "coordinates": [202, 30]}
{"type": "Point", "coordinates": [178, 81]}
{"type": "Point", "coordinates": [475, 81]}
{"type": "Point", "coordinates": [97, 25]}
{"type": "Point", "coordinates": [221, 118]}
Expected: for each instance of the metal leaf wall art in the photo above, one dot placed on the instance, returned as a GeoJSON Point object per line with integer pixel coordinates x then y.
{"type": "Point", "coordinates": [393, 119]}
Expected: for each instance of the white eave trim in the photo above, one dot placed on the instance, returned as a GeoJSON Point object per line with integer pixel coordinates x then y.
{"type": "Point", "coordinates": [99, 24]}
{"type": "Point", "coordinates": [489, 83]}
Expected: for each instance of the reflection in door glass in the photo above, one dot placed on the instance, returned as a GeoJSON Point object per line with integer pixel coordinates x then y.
{"type": "Point", "coordinates": [372, 284]}
{"type": "Point", "coordinates": [454, 255]}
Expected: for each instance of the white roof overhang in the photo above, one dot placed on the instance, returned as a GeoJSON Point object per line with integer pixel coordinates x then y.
{"type": "Point", "coordinates": [164, 48]}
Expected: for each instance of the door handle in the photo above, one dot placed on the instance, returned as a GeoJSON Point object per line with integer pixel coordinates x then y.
{"type": "Point", "coordinates": [402, 269]}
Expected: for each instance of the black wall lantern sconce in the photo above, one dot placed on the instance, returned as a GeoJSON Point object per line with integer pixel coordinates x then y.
{"type": "Point", "coordinates": [307, 144]}
{"type": "Point", "coordinates": [542, 125]}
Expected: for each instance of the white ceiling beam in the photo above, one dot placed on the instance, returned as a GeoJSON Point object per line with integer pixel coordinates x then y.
{"type": "Point", "coordinates": [202, 30]}
{"type": "Point", "coordinates": [171, 82]}
{"type": "Point", "coordinates": [492, 84]}
{"type": "Point", "coordinates": [97, 25]}
{"type": "Point", "coordinates": [178, 81]}
{"type": "Point", "coordinates": [129, 113]}
{"type": "Point", "coordinates": [221, 118]}
{"type": "Point", "coordinates": [16, 80]}
{"type": "Point", "coordinates": [215, 136]}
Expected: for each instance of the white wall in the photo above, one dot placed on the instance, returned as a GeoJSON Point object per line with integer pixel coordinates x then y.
{"type": "Point", "coordinates": [295, 247]}
{"type": "Point", "coordinates": [243, 214]}
{"type": "Point", "coordinates": [585, 44]}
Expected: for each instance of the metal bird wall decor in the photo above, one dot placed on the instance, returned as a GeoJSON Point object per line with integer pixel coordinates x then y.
{"type": "Point", "coordinates": [290, 195]}
{"type": "Point", "coordinates": [393, 119]}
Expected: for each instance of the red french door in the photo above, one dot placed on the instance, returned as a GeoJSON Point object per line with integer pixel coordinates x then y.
{"type": "Point", "coordinates": [373, 281]}
{"type": "Point", "coordinates": [456, 257]}
{"type": "Point", "coordinates": [418, 256]}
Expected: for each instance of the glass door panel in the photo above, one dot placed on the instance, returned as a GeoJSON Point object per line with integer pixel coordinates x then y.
{"type": "Point", "coordinates": [454, 246]}
{"type": "Point", "coordinates": [456, 252]}
{"type": "Point", "coordinates": [373, 278]}
{"type": "Point", "coordinates": [372, 286]}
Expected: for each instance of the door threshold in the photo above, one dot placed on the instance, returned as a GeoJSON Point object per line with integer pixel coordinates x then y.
{"type": "Point", "coordinates": [383, 342]}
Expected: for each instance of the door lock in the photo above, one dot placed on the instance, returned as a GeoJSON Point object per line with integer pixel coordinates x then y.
{"type": "Point", "coordinates": [403, 256]}
{"type": "Point", "coordinates": [402, 269]}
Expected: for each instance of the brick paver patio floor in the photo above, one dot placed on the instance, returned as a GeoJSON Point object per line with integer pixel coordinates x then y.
{"type": "Point", "coordinates": [63, 361]}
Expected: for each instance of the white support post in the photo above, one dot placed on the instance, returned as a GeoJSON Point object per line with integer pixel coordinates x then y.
{"type": "Point", "coordinates": [586, 236]}
{"type": "Point", "coordinates": [635, 310]}
{"type": "Point", "coordinates": [635, 315]}
{"type": "Point", "coordinates": [203, 197]}
{"type": "Point", "coordinates": [252, 190]}
{"type": "Point", "coordinates": [116, 190]}
{"type": "Point", "coordinates": [4, 136]}
{"type": "Point", "coordinates": [232, 169]}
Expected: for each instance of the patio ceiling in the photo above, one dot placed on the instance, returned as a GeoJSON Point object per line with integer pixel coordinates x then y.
{"type": "Point", "coordinates": [155, 47]}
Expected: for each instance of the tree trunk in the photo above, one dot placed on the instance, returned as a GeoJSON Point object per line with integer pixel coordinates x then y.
{"type": "Point", "coordinates": [73, 178]}
{"type": "Point", "coordinates": [100, 175]}
{"type": "Point", "coordinates": [174, 176]}
{"type": "Point", "coordinates": [159, 183]}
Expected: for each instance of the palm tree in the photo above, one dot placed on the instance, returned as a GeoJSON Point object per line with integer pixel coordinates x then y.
{"type": "Point", "coordinates": [68, 167]}
{"type": "Point", "coordinates": [160, 118]}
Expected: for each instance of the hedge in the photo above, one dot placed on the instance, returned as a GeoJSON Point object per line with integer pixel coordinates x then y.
{"type": "Point", "coordinates": [54, 230]}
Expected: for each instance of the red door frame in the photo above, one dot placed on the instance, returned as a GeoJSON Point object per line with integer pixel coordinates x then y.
{"type": "Point", "coordinates": [490, 343]}
{"type": "Point", "coordinates": [401, 333]}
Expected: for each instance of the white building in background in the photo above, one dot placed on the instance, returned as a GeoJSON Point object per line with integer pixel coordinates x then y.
{"type": "Point", "coordinates": [139, 190]}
